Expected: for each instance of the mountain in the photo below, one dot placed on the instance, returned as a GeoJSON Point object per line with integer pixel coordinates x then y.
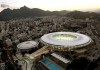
{"type": "Point", "coordinates": [63, 12]}
{"type": "Point", "coordinates": [97, 11]}
{"type": "Point", "coordinates": [83, 15]}
{"type": "Point", "coordinates": [25, 12]}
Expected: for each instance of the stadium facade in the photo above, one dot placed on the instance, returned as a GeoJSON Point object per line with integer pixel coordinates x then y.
{"type": "Point", "coordinates": [65, 40]}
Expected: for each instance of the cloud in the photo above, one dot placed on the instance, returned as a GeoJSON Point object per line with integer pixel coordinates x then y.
{"type": "Point", "coordinates": [4, 5]}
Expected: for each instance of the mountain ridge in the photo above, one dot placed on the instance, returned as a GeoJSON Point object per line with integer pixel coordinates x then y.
{"type": "Point", "coordinates": [25, 12]}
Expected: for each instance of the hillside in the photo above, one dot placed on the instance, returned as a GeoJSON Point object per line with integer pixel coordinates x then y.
{"type": "Point", "coordinates": [83, 15]}
{"type": "Point", "coordinates": [25, 12]}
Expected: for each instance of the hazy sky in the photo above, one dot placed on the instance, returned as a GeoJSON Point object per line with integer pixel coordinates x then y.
{"type": "Point", "coordinates": [84, 5]}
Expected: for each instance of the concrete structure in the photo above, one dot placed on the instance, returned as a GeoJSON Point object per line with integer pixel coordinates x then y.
{"type": "Point", "coordinates": [65, 40]}
{"type": "Point", "coordinates": [27, 45]}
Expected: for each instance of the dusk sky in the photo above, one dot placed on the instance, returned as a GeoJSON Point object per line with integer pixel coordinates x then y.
{"type": "Point", "coordinates": [52, 5]}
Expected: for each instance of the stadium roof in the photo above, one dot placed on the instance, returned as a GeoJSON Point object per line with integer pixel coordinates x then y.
{"type": "Point", "coordinates": [27, 45]}
{"type": "Point", "coordinates": [66, 39]}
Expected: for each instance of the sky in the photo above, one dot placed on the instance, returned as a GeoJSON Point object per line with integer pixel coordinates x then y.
{"type": "Point", "coordinates": [52, 5]}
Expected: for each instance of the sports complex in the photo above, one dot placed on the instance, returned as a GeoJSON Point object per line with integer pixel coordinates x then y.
{"type": "Point", "coordinates": [53, 44]}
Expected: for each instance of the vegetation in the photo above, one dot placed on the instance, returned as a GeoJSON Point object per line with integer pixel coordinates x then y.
{"type": "Point", "coordinates": [83, 15]}
{"type": "Point", "coordinates": [25, 12]}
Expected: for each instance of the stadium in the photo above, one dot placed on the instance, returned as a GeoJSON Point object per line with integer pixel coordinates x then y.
{"type": "Point", "coordinates": [65, 40]}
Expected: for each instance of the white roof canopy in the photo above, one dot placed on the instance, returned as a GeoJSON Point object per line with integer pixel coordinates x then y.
{"type": "Point", "coordinates": [27, 45]}
{"type": "Point", "coordinates": [66, 39]}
